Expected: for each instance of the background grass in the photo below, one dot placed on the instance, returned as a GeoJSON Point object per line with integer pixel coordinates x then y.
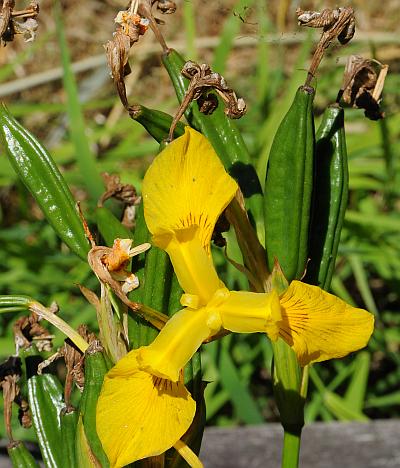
{"type": "Point", "coordinates": [60, 89]}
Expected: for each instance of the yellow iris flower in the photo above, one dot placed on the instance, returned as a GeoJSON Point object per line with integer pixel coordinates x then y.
{"type": "Point", "coordinates": [144, 407]}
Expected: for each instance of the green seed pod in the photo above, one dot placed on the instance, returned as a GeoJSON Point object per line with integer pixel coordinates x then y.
{"type": "Point", "coordinates": [110, 226]}
{"type": "Point", "coordinates": [69, 421]}
{"type": "Point", "coordinates": [331, 188]}
{"type": "Point", "coordinates": [84, 456]}
{"type": "Point", "coordinates": [223, 134]}
{"type": "Point", "coordinates": [42, 178]}
{"type": "Point", "coordinates": [155, 274]}
{"type": "Point", "coordinates": [288, 188]}
{"type": "Point", "coordinates": [45, 396]}
{"type": "Point", "coordinates": [96, 366]}
{"type": "Point", "coordinates": [20, 456]}
{"type": "Point", "coordinates": [156, 123]}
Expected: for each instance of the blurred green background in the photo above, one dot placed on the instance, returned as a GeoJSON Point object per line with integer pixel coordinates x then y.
{"type": "Point", "coordinates": [264, 55]}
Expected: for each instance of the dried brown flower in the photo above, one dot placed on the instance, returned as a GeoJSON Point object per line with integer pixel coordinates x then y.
{"type": "Point", "coordinates": [10, 372]}
{"type": "Point", "coordinates": [28, 330]}
{"type": "Point", "coordinates": [202, 82]}
{"type": "Point", "coordinates": [338, 23]}
{"type": "Point", "coordinates": [131, 24]}
{"type": "Point", "coordinates": [9, 26]}
{"type": "Point", "coordinates": [362, 86]}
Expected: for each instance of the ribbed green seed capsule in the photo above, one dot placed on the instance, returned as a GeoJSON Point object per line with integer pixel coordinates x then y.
{"type": "Point", "coordinates": [288, 187]}
{"type": "Point", "coordinates": [20, 457]}
{"type": "Point", "coordinates": [96, 367]}
{"type": "Point", "coordinates": [330, 197]}
{"type": "Point", "coordinates": [155, 274]}
{"type": "Point", "coordinates": [42, 178]}
{"type": "Point", "coordinates": [69, 421]}
{"type": "Point", "coordinates": [45, 398]}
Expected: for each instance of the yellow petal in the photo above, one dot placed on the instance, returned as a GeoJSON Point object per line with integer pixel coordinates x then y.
{"type": "Point", "coordinates": [176, 343]}
{"type": "Point", "coordinates": [186, 185]}
{"type": "Point", "coordinates": [193, 267]}
{"type": "Point", "coordinates": [320, 326]}
{"type": "Point", "coordinates": [140, 415]}
{"type": "Point", "coordinates": [248, 312]}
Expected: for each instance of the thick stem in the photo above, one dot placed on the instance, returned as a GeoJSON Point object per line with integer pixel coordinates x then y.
{"type": "Point", "coordinates": [291, 449]}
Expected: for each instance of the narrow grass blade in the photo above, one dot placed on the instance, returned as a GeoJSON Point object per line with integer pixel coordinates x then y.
{"type": "Point", "coordinates": [355, 393]}
{"type": "Point", "coordinates": [362, 283]}
{"type": "Point", "coordinates": [84, 156]}
{"type": "Point", "coordinates": [227, 36]}
{"type": "Point", "coordinates": [189, 16]}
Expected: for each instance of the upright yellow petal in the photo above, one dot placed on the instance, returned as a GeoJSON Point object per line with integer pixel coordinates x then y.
{"type": "Point", "coordinates": [176, 343]}
{"type": "Point", "coordinates": [140, 415]}
{"type": "Point", "coordinates": [320, 326]}
{"type": "Point", "coordinates": [186, 185]}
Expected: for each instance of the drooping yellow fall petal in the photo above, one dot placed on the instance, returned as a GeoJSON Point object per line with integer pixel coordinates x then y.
{"type": "Point", "coordinates": [248, 312]}
{"type": "Point", "coordinates": [320, 326]}
{"type": "Point", "coordinates": [177, 342]}
{"type": "Point", "coordinates": [140, 415]}
{"type": "Point", "coordinates": [186, 185]}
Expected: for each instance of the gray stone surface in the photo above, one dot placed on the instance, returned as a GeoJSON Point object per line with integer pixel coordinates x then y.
{"type": "Point", "coordinates": [332, 445]}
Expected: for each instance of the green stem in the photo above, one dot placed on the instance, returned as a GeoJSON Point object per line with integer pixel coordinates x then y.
{"type": "Point", "coordinates": [291, 449]}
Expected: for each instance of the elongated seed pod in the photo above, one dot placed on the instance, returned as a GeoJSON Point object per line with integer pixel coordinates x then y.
{"type": "Point", "coordinates": [20, 457]}
{"type": "Point", "coordinates": [96, 367]}
{"type": "Point", "coordinates": [45, 398]}
{"type": "Point", "coordinates": [288, 187]}
{"type": "Point", "coordinates": [69, 421]}
{"type": "Point", "coordinates": [330, 197]}
{"type": "Point", "coordinates": [42, 178]}
{"type": "Point", "coordinates": [85, 457]}
{"type": "Point", "coordinates": [155, 274]}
